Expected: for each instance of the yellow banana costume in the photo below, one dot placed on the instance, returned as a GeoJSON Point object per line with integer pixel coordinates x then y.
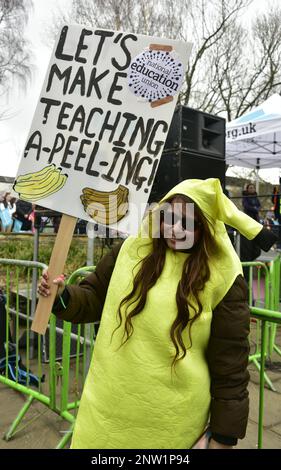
{"type": "Point", "coordinates": [132, 398]}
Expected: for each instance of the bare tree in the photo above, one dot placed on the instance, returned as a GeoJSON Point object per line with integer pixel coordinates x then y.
{"type": "Point", "coordinates": [245, 65]}
{"type": "Point", "coordinates": [151, 17]}
{"type": "Point", "coordinates": [231, 68]}
{"type": "Point", "coordinates": [226, 65]}
{"type": "Point", "coordinates": [267, 50]}
{"type": "Point", "coordinates": [205, 23]}
{"type": "Point", "coordinates": [15, 58]}
{"type": "Point", "coordinates": [213, 24]}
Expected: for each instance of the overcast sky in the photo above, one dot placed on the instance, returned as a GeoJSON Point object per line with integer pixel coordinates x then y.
{"type": "Point", "coordinates": [21, 105]}
{"type": "Point", "coordinates": [14, 131]}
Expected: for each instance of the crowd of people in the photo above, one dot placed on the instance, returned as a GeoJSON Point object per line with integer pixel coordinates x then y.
{"type": "Point", "coordinates": [15, 215]}
{"type": "Point", "coordinates": [18, 216]}
{"type": "Point", "coordinates": [268, 216]}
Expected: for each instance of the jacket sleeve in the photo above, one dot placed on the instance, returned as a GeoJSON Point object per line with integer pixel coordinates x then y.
{"type": "Point", "coordinates": [84, 302]}
{"type": "Point", "coordinates": [227, 356]}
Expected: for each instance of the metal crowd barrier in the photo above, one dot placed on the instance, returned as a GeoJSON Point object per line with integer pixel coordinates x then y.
{"type": "Point", "coordinates": [16, 363]}
{"type": "Point", "coordinates": [74, 372]}
{"type": "Point", "coordinates": [260, 295]}
{"type": "Point", "coordinates": [264, 316]}
{"type": "Point", "coordinates": [41, 367]}
{"type": "Point", "coordinates": [264, 301]}
{"type": "Point", "coordinates": [275, 267]}
{"type": "Point", "coordinates": [70, 346]}
{"type": "Point", "coordinates": [264, 292]}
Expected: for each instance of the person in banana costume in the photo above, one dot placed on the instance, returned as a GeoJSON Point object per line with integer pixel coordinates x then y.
{"type": "Point", "coordinates": [172, 348]}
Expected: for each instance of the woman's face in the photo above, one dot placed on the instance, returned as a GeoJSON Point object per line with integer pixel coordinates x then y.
{"type": "Point", "coordinates": [251, 188]}
{"type": "Point", "coordinates": [180, 227]}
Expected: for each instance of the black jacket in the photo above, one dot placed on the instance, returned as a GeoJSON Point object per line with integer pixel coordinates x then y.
{"type": "Point", "coordinates": [23, 208]}
{"type": "Point", "coordinates": [251, 204]}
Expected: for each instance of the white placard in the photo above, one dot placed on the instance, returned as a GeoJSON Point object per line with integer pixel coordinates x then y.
{"type": "Point", "coordinates": [101, 123]}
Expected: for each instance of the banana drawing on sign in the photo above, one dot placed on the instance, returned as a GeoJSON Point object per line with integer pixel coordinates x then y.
{"type": "Point", "coordinates": [40, 184]}
{"type": "Point", "coordinates": [106, 207]}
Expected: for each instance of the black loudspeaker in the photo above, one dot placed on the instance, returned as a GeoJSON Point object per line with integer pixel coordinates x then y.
{"type": "Point", "coordinates": [176, 166]}
{"type": "Point", "coordinates": [197, 132]}
{"type": "Point", "coordinates": [194, 148]}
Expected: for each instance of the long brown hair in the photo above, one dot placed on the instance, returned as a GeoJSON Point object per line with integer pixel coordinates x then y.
{"type": "Point", "coordinates": [195, 274]}
{"type": "Point", "coordinates": [5, 202]}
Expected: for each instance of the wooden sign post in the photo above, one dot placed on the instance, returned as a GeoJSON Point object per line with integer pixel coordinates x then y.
{"type": "Point", "coordinates": [56, 267]}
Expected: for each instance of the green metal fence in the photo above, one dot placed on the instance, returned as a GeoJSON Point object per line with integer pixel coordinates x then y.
{"type": "Point", "coordinates": [74, 370]}
{"type": "Point", "coordinates": [266, 317]}
{"type": "Point", "coordinates": [260, 295]}
{"type": "Point", "coordinates": [275, 267]}
{"type": "Point", "coordinates": [264, 301]}
{"type": "Point", "coordinates": [70, 346]}
{"type": "Point", "coordinates": [42, 368]}
{"type": "Point", "coordinates": [263, 296]}
{"type": "Point", "coordinates": [17, 277]}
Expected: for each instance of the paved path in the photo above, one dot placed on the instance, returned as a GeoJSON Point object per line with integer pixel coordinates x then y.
{"type": "Point", "coordinates": [46, 431]}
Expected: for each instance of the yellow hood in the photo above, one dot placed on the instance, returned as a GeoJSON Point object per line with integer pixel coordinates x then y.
{"type": "Point", "coordinates": [217, 208]}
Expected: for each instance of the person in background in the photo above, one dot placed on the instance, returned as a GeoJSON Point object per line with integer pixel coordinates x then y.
{"type": "Point", "coordinates": [171, 352]}
{"type": "Point", "coordinates": [56, 222]}
{"type": "Point", "coordinates": [249, 250]}
{"type": "Point", "coordinates": [1, 200]}
{"type": "Point", "coordinates": [250, 202]}
{"type": "Point", "coordinates": [22, 213]}
{"type": "Point", "coordinates": [81, 227]}
{"type": "Point", "coordinates": [230, 230]}
{"type": "Point", "coordinates": [13, 205]}
{"type": "Point", "coordinates": [31, 217]}
{"type": "Point", "coordinates": [275, 198]}
{"type": "Point", "coordinates": [6, 213]}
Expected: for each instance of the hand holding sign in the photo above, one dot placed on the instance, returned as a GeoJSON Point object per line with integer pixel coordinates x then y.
{"type": "Point", "coordinates": [44, 285]}
{"type": "Point", "coordinates": [98, 132]}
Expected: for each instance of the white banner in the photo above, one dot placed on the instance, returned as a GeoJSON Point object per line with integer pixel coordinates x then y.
{"type": "Point", "coordinates": [250, 130]}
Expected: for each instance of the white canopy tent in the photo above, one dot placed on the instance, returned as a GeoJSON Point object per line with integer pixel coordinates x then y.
{"type": "Point", "coordinates": [254, 139]}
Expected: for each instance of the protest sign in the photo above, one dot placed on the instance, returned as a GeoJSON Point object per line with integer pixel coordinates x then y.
{"type": "Point", "coordinates": [100, 126]}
